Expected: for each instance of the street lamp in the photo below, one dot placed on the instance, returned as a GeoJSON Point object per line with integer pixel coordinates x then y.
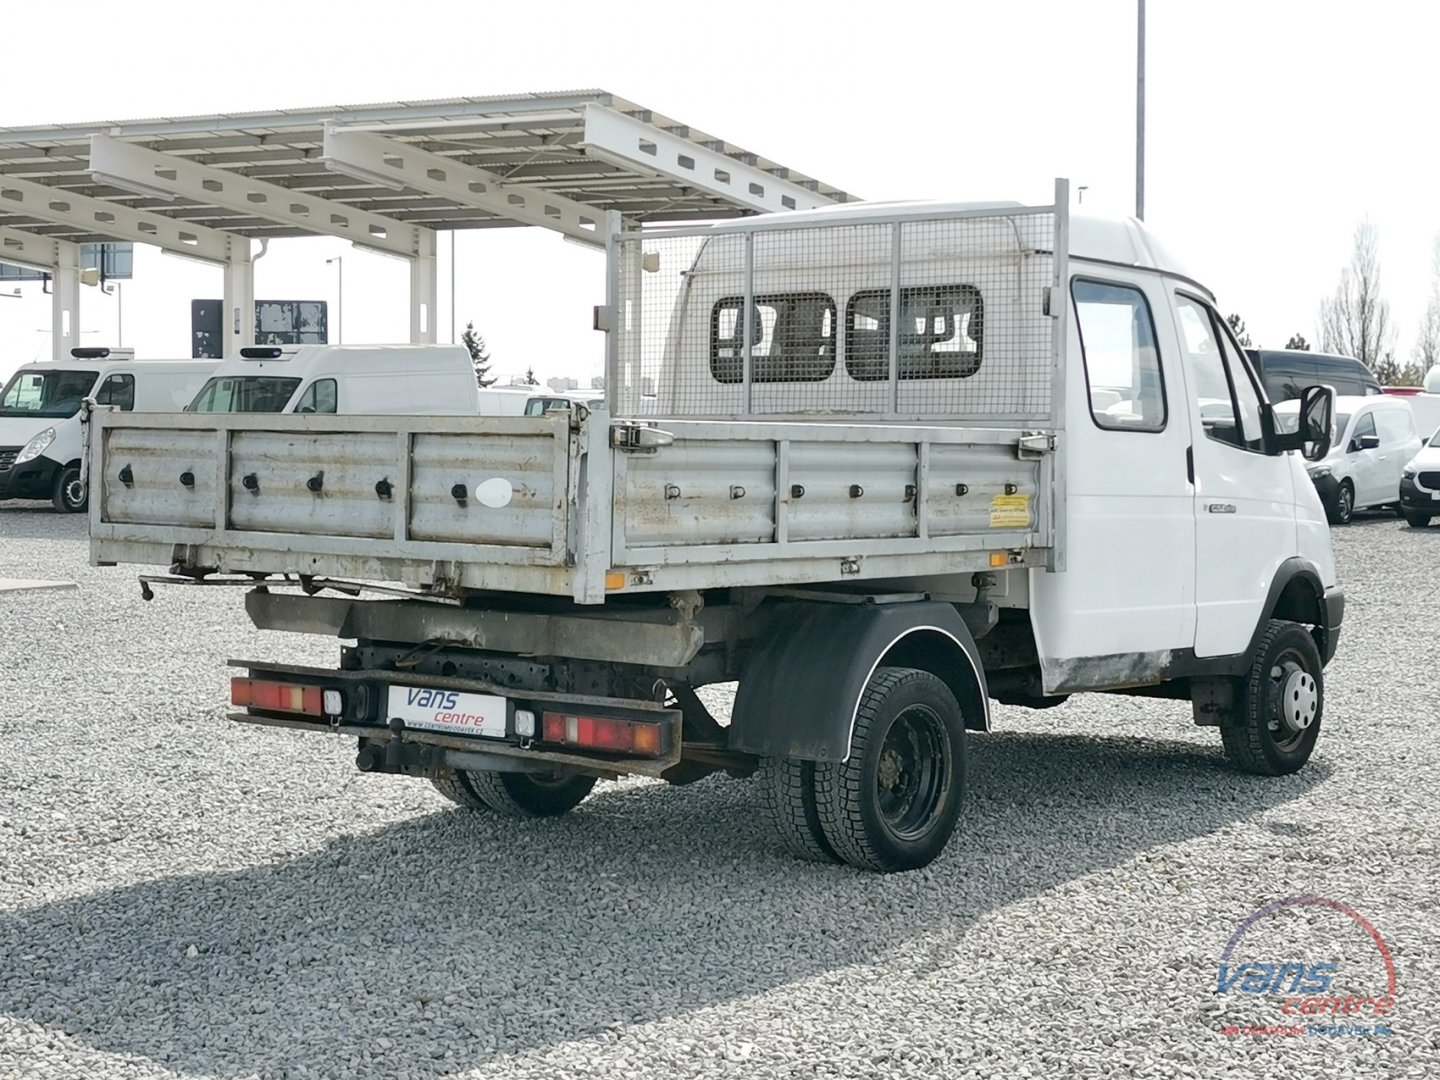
{"type": "Point", "coordinates": [338, 260]}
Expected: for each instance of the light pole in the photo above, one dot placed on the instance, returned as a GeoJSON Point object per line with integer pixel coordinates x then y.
{"type": "Point", "coordinates": [1140, 112]}
{"type": "Point", "coordinates": [339, 261]}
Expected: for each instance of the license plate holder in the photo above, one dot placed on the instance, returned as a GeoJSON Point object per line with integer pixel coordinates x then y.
{"type": "Point", "coordinates": [453, 712]}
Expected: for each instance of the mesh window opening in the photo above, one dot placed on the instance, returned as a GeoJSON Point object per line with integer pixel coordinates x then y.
{"type": "Point", "coordinates": [792, 338]}
{"type": "Point", "coordinates": [940, 335]}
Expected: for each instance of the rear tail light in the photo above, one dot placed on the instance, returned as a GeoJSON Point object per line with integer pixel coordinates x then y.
{"type": "Point", "coordinates": [277, 696]}
{"type": "Point", "coordinates": [608, 733]}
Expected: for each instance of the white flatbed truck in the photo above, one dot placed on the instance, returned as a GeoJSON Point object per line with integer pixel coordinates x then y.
{"type": "Point", "coordinates": [878, 465]}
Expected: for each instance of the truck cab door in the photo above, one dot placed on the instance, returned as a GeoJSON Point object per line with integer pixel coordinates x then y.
{"type": "Point", "coordinates": [1244, 499]}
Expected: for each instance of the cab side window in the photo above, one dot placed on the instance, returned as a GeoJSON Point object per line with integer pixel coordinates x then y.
{"type": "Point", "coordinates": [1226, 396]}
{"type": "Point", "coordinates": [1122, 364]}
{"type": "Point", "coordinates": [119, 391]}
{"type": "Point", "coordinates": [319, 397]}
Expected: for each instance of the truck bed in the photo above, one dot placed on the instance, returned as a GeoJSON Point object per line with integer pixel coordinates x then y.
{"type": "Point", "coordinates": [722, 503]}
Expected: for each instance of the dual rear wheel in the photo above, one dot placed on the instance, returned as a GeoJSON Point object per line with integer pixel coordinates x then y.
{"type": "Point", "coordinates": [515, 794]}
{"type": "Point", "coordinates": [894, 803]}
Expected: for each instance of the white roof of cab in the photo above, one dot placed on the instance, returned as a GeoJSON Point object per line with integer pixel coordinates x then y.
{"type": "Point", "coordinates": [1122, 240]}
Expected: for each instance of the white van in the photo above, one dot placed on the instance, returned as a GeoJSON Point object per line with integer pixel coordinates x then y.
{"type": "Point", "coordinates": [1375, 441]}
{"type": "Point", "coordinates": [506, 400]}
{"type": "Point", "coordinates": [41, 421]}
{"type": "Point", "coordinates": [416, 380]}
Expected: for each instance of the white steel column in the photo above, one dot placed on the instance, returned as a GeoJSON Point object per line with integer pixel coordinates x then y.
{"type": "Point", "coordinates": [65, 303]}
{"type": "Point", "coordinates": [424, 289]}
{"type": "Point", "coordinates": [238, 307]}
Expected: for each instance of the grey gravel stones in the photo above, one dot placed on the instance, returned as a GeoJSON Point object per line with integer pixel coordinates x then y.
{"type": "Point", "coordinates": [182, 897]}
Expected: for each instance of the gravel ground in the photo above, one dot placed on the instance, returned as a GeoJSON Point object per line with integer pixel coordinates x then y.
{"type": "Point", "coordinates": [181, 897]}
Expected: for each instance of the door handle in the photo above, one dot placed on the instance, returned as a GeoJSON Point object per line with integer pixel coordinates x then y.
{"type": "Point", "coordinates": [1220, 508]}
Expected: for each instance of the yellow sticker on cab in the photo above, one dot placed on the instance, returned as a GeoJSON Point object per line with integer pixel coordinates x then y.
{"type": "Point", "coordinates": [1010, 512]}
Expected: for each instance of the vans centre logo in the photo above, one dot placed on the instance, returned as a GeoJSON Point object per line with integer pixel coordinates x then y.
{"type": "Point", "coordinates": [1325, 975]}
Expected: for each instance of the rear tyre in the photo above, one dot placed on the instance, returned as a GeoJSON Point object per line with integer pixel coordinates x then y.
{"type": "Point", "coordinates": [894, 803]}
{"type": "Point", "coordinates": [70, 496]}
{"type": "Point", "coordinates": [1342, 507]}
{"type": "Point", "coordinates": [515, 794]}
{"type": "Point", "coordinates": [1276, 720]}
{"type": "Point", "coordinates": [1417, 519]}
{"type": "Point", "coordinates": [787, 792]}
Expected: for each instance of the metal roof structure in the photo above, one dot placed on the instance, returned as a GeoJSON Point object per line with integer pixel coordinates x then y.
{"type": "Point", "coordinates": [386, 176]}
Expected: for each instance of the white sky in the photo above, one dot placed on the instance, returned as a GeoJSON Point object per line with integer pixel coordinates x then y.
{"type": "Point", "coordinates": [1273, 127]}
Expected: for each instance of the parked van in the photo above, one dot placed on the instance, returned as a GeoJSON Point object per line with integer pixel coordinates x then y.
{"type": "Point", "coordinates": [1286, 373]}
{"type": "Point", "coordinates": [506, 400]}
{"type": "Point", "coordinates": [41, 425]}
{"type": "Point", "coordinates": [1424, 406]}
{"type": "Point", "coordinates": [1376, 440]}
{"type": "Point", "coordinates": [416, 380]}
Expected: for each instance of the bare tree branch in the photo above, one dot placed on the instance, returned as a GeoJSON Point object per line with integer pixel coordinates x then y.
{"type": "Point", "coordinates": [1355, 321]}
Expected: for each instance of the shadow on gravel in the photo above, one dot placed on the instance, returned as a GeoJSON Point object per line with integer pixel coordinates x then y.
{"type": "Point", "coordinates": [457, 937]}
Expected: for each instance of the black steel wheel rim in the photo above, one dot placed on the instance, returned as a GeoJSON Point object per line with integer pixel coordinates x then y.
{"type": "Point", "coordinates": [73, 493]}
{"type": "Point", "coordinates": [912, 774]}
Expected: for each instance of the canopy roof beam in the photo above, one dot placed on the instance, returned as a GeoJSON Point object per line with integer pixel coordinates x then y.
{"type": "Point", "coordinates": [627, 143]}
{"type": "Point", "coordinates": [97, 217]}
{"type": "Point", "coordinates": [135, 168]}
{"type": "Point", "coordinates": [393, 164]}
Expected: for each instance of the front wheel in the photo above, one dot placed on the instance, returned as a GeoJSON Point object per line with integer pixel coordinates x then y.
{"type": "Point", "coordinates": [515, 794]}
{"type": "Point", "coordinates": [69, 496]}
{"type": "Point", "coordinates": [1417, 519]}
{"type": "Point", "coordinates": [1342, 507]}
{"type": "Point", "coordinates": [894, 803]}
{"type": "Point", "coordinates": [1276, 720]}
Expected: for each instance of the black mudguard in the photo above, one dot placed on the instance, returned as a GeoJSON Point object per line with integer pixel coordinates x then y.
{"type": "Point", "coordinates": [801, 684]}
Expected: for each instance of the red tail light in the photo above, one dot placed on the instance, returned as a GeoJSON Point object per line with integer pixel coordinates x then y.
{"type": "Point", "coordinates": [277, 696]}
{"type": "Point", "coordinates": [606, 733]}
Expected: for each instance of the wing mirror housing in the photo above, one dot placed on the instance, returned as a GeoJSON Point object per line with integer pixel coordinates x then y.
{"type": "Point", "coordinates": [1315, 433]}
{"type": "Point", "coordinates": [1368, 442]}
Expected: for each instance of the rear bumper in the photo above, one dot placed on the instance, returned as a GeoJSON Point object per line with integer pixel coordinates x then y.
{"type": "Point", "coordinates": [1332, 614]}
{"type": "Point", "coordinates": [35, 479]}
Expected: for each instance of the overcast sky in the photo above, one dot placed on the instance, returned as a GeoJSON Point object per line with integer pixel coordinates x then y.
{"type": "Point", "coordinates": [1273, 128]}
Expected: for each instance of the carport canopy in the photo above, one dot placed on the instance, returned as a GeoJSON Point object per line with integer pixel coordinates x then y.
{"type": "Point", "coordinates": [387, 177]}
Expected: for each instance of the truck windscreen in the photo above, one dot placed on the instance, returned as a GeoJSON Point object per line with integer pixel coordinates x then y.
{"type": "Point", "coordinates": [55, 394]}
{"type": "Point", "coordinates": [244, 394]}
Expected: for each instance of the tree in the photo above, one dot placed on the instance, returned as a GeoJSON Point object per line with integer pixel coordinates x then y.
{"type": "Point", "coordinates": [1297, 341]}
{"type": "Point", "coordinates": [479, 354]}
{"type": "Point", "coordinates": [1237, 324]}
{"type": "Point", "coordinates": [1356, 321]}
{"type": "Point", "coordinates": [1427, 342]}
{"type": "Point", "coordinates": [530, 379]}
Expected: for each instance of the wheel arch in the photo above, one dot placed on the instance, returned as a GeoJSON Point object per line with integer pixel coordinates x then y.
{"type": "Point", "coordinates": [1297, 594]}
{"type": "Point", "coordinates": [801, 685]}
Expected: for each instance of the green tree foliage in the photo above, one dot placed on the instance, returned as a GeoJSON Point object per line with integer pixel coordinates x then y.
{"type": "Point", "coordinates": [1237, 324]}
{"type": "Point", "coordinates": [479, 353]}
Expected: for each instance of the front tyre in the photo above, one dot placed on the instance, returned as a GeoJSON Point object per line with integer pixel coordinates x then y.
{"type": "Point", "coordinates": [1342, 506]}
{"type": "Point", "coordinates": [1416, 519]}
{"type": "Point", "coordinates": [894, 803]}
{"type": "Point", "coordinates": [1276, 720]}
{"type": "Point", "coordinates": [70, 496]}
{"type": "Point", "coordinates": [515, 794]}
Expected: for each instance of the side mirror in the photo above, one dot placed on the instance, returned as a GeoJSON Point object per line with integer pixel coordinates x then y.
{"type": "Point", "coordinates": [1369, 442]}
{"type": "Point", "coordinates": [1315, 433]}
